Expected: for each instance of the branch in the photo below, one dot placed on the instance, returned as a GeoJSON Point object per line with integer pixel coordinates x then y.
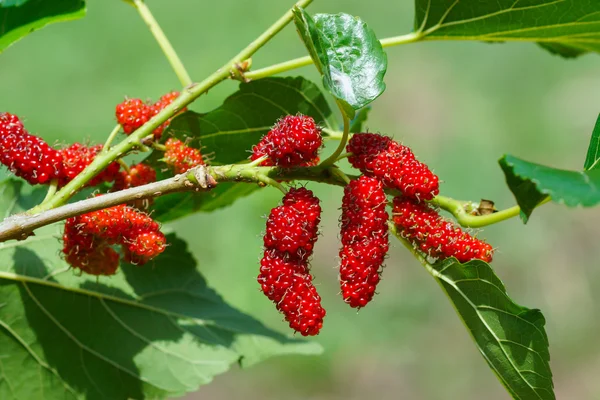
{"type": "Point", "coordinates": [201, 178]}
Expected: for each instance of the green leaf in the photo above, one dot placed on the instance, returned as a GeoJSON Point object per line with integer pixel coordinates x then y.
{"type": "Point", "coordinates": [147, 332]}
{"type": "Point", "coordinates": [510, 337]}
{"type": "Point", "coordinates": [348, 55]}
{"type": "Point", "coordinates": [227, 134]}
{"type": "Point", "coordinates": [566, 27]}
{"type": "Point", "coordinates": [357, 124]}
{"type": "Point", "coordinates": [592, 161]}
{"type": "Point", "coordinates": [21, 17]}
{"type": "Point", "coordinates": [531, 183]}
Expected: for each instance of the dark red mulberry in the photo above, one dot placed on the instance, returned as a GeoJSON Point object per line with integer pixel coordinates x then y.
{"type": "Point", "coordinates": [284, 277]}
{"type": "Point", "coordinates": [364, 237]}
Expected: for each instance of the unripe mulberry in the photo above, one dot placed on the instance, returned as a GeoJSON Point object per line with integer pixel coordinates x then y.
{"type": "Point", "coordinates": [394, 164]}
{"type": "Point", "coordinates": [434, 236]}
{"type": "Point", "coordinates": [77, 157]}
{"type": "Point", "coordinates": [294, 141]}
{"type": "Point", "coordinates": [26, 155]}
{"type": "Point", "coordinates": [180, 157]}
{"type": "Point", "coordinates": [364, 237]}
{"type": "Point", "coordinates": [284, 273]}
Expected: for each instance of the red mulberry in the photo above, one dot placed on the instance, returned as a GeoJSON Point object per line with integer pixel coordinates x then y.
{"type": "Point", "coordinates": [435, 236]}
{"type": "Point", "coordinates": [133, 113]}
{"type": "Point", "coordinates": [26, 155]}
{"type": "Point", "coordinates": [284, 274]}
{"type": "Point", "coordinates": [394, 164]}
{"type": "Point", "coordinates": [294, 141]}
{"type": "Point", "coordinates": [364, 236]}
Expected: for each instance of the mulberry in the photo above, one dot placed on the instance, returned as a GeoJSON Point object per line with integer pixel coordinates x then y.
{"type": "Point", "coordinates": [364, 237]}
{"type": "Point", "coordinates": [435, 236]}
{"type": "Point", "coordinates": [394, 164]}
{"type": "Point", "coordinates": [294, 141]}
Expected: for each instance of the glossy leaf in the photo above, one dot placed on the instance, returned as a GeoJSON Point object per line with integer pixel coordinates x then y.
{"type": "Point", "coordinates": [226, 136]}
{"type": "Point", "coordinates": [21, 17]}
{"type": "Point", "coordinates": [348, 55]}
{"type": "Point", "coordinates": [531, 183]}
{"type": "Point", "coordinates": [592, 160]}
{"type": "Point", "coordinates": [566, 27]}
{"type": "Point", "coordinates": [510, 337]}
{"type": "Point", "coordinates": [148, 332]}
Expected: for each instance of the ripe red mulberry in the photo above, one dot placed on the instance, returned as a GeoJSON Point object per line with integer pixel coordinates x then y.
{"type": "Point", "coordinates": [294, 141]}
{"type": "Point", "coordinates": [394, 164]}
{"type": "Point", "coordinates": [287, 283]}
{"type": "Point", "coordinates": [435, 236]}
{"type": "Point", "coordinates": [26, 155]}
{"type": "Point", "coordinates": [364, 236]}
{"type": "Point", "coordinates": [284, 277]}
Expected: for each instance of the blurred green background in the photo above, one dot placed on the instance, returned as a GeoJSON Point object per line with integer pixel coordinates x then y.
{"type": "Point", "coordinates": [460, 106]}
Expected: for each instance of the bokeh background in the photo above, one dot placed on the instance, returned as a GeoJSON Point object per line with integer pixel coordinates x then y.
{"type": "Point", "coordinates": [460, 106]}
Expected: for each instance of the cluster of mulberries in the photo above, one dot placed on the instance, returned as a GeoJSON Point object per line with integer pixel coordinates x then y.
{"type": "Point", "coordinates": [133, 113]}
{"type": "Point", "coordinates": [181, 157]}
{"type": "Point", "coordinates": [294, 141]}
{"type": "Point", "coordinates": [88, 239]}
{"type": "Point", "coordinates": [137, 175]}
{"type": "Point", "coordinates": [393, 164]}
{"type": "Point", "coordinates": [435, 236]}
{"type": "Point", "coordinates": [364, 235]}
{"type": "Point", "coordinates": [31, 158]}
{"type": "Point", "coordinates": [284, 271]}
